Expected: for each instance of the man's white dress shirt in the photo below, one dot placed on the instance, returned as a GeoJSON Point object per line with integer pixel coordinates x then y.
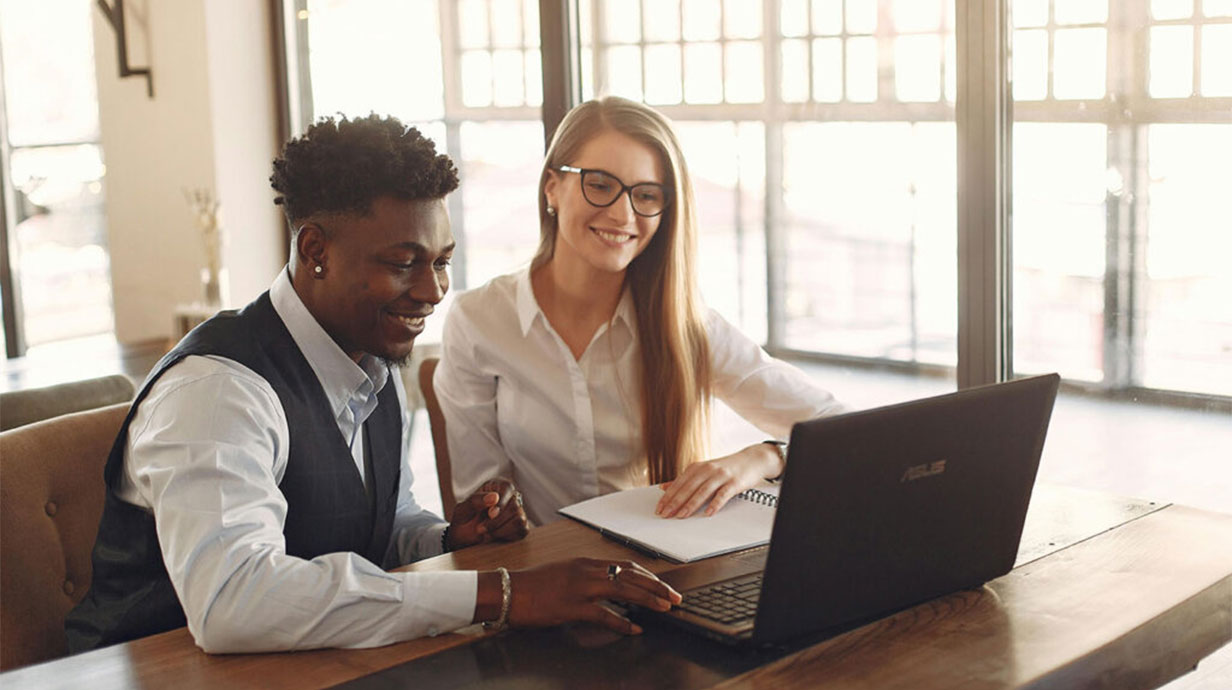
{"type": "Point", "coordinates": [206, 452]}
{"type": "Point", "coordinates": [517, 404]}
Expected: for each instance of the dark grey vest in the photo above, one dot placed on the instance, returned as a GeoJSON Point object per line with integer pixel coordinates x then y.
{"type": "Point", "coordinates": [328, 508]}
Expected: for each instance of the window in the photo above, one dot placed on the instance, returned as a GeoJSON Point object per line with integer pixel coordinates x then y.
{"type": "Point", "coordinates": [1122, 159]}
{"type": "Point", "coordinates": [822, 139]}
{"type": "Point", "coordinates": [54, 175]}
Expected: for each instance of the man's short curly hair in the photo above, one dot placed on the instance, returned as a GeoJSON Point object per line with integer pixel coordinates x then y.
{"type": "Point", "coordinates": [342, 166]}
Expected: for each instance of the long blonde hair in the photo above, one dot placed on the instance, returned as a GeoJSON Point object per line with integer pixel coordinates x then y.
{"type": "Point", "coordinates": [675, 363]}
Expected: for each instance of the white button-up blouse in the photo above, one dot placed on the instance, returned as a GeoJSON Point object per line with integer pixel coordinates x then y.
{"type": "Point", "coordinates": [517, 404]}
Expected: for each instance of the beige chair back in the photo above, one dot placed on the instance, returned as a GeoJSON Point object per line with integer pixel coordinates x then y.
{"type": "Point", "coordinates": [51, 501]}
{"type": "Point", "coordinates": [18, 408]}
{"type": "Point", "coordinates": [444, 474]}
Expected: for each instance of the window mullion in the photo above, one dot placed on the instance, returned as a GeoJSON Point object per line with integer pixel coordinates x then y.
{"type": "Point", "coordinates": [982, 114]}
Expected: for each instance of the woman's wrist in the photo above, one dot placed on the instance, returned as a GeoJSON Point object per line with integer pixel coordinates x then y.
{"type": "Point", "coordinates": [777, 451]}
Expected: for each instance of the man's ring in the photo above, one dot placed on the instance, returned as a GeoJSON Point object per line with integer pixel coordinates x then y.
{"type": "Point", "coordinates": [517, 496]}
{"type": "Point", "coordinates": [612, 571]}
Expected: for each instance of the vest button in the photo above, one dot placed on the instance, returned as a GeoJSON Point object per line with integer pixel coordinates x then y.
{"type": "Point", "coordinates": [50, 508]}
{"type": "Point", "coordinates": [68, 587]}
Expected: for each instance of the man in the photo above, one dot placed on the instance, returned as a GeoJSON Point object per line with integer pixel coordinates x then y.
{"type": "Point", "coordinates": [260, 483]}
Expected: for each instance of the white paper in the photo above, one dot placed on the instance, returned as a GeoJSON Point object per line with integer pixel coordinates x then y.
{"type": "Point", "coordinates": [741, 524]}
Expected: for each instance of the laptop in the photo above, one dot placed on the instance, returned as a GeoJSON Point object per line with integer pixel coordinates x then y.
{"type": "Point", "coordinates": [879, 510]}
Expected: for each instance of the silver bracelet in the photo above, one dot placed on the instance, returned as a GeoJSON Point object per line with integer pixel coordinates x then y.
{"type": "Point", "coordinates": [506, 598]}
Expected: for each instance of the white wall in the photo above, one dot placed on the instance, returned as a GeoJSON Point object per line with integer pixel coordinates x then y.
{"type": "Point", "coordinates": [211, 124]}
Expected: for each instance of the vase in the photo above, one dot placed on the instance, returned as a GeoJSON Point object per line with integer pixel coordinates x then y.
{"type": "Point", "coordinates": [212, 284]}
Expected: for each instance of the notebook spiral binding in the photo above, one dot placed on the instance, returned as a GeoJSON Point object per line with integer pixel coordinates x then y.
{"type": "Point", "coordinates": [759, 496]}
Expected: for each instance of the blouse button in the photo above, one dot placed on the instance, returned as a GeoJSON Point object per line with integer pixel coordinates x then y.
{"type": "Point", "coordinates": [68, 587]}
{"type": "Point", "coordinates": [50, 508]}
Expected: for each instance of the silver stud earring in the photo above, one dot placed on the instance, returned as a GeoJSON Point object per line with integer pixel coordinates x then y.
{"type": "Point", "coordinates": [317, 270]}
{"type": "Point", "coordinates": [551, 210]}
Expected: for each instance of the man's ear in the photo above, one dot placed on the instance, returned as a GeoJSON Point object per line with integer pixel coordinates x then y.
{"type": "Point", "coordinates": [311, 249]}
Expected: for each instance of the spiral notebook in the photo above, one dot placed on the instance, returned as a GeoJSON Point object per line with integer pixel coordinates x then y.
{"type": "Point", "coordinates": [628, 517]}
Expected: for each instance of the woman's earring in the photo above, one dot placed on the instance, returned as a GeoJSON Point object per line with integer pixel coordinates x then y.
{"type": "Point", "coordinates": [317, 270]}
{"type": "Point", "coordinates": [551, 210]}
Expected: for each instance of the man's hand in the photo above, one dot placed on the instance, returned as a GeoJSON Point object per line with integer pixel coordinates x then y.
{"type": "Point", "coordinates": [572, 591]}
{"type": "Point", "coordinates": [717, 481]}
{"type": "Point", "coordinates": [493, 513]}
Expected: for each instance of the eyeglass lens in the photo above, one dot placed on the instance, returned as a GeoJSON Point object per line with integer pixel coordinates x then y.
{"type": "Point", "coordinates": [602, 189]}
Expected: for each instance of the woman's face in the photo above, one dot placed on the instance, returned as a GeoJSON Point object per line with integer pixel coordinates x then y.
{"type": "Point", "coordinates": [608, 238]}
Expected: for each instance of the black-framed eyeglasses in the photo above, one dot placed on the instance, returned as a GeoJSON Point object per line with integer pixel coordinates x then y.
{"type": "Point", "coordinates": [602, 189]}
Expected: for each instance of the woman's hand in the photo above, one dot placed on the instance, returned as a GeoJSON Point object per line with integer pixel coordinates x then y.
{"type": "Point", "coordinates": [717, 481]}
{"type": "Point", "coordinates": [494, 512]}
{"type": "Point", "coordinates": [572, 591]}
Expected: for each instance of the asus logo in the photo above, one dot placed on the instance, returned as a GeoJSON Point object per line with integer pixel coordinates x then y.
{"type": "Point", "coordinates": [921, 471]}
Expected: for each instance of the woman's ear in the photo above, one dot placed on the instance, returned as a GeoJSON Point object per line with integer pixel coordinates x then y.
{"type": "Point", "coordinates": [550, 188]}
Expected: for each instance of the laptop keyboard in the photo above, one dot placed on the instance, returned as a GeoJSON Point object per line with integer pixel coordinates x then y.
{"type": "Point", "coordinates": [731, 602]}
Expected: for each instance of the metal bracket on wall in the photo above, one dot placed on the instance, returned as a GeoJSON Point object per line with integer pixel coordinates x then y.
{"type": "Point", "coordinates": [115, 16]}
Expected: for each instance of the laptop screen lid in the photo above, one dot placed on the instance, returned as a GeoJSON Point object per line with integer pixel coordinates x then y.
{"type": "Point", "coordinates": [888, 507]}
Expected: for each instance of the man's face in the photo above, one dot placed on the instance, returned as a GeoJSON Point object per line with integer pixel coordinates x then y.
{"type": "Point", "coordinates": [382, 274]}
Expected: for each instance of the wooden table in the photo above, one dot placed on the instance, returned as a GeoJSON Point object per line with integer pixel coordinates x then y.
{"type": "Point", "coordinates": [1108, 592]}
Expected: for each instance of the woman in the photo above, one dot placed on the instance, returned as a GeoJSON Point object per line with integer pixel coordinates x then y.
{"type": "Point", "coordinates": [592, 371]}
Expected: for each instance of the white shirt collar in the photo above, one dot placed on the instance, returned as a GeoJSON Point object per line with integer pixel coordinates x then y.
{"type": "Point", "coordinates": [528, 306]}
{"type": "Point", "coordinates": [342, 379]}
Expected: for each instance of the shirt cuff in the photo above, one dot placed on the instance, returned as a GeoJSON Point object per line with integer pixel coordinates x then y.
{"type": "Point", "coordinates": [438, 602]}
{"type": "Point", "coordinates": [430, 540]}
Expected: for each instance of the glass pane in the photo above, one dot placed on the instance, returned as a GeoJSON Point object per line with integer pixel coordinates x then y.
{"type": "Point", "coordinates": [500, 169]}
{"type": "Point", "coordinates": [476, 79]}
{"type": "Point", "coordinates": [507, 78]}
{"type": "Point", "coordinates": [795, 87]}
{"type": "Point", "coordinates": [663, 20]}
{"type": "Point", "coordinates": [1171, 61]}
{"type": "Point", "coordinates": [702, 19]}
{"type": "Point", "coordinates": [1030, 12]}
{"type": "Point", "coordinates": [742, 18]}
{"type": "Point", "coordinates": [1079, 62]}
{"type": "Point", "coordinates": [1080, 11]}
{"type": "Point", "coordinates": [862, 70]}
{"type": "Point", "coordinates": [871, 239]}
{"type": "Point", "coordinates": [1217, 60]}
{"type": "Point", "coordinates": [917, 68]}
{"type": "Point", "coordinates": [622, 20]}
{"type": "Point", "coordinates": [624, 72]}
{"type": "Point", "coordinates": [726, 163]}
{"type": "Point", "coordinates": [743, 83]}
{"type": "Point", "coordinates": [507, 23]}
{"type": "Point", "coordinates": [827, 17]}
{"type": "Point", "coordinates": [534, 78]}
{"type": "Point", "coordinates": [917, 15]}
{"type": "Point", "coordinates": [1217, 8]}
{"type": "Point", "coordinates": [703, 73]}
{"type": "Point", "coordinates": [393, 33]}
{"type": "Point", "coordinates": [828, 70]}
{"type": "Point", "coordinates": [61, 240]}
{"type": "Point", "coordinates": [860, 16]}
{"type": "Point", "coordinates": [1058, 235]}
{"type": "Point", "coordinates": [793, 17]}
{"type": "Point", "coordinates": [1171, 9]}
{"type": "Point", "coordinates": [951, 67]}
{"type": "Point", "coordinates": [530, 23]}
{"type": "Point", "coordinates": [1187, 319]}
{"type": "Point", "coordinates": [472, 22]}
{"type": "Point", "coordinates": [663, 82]}
{"type": "Point", "coordinates": [1030, 60]}
{"type": "Point", "coordinates": [52, 93]}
